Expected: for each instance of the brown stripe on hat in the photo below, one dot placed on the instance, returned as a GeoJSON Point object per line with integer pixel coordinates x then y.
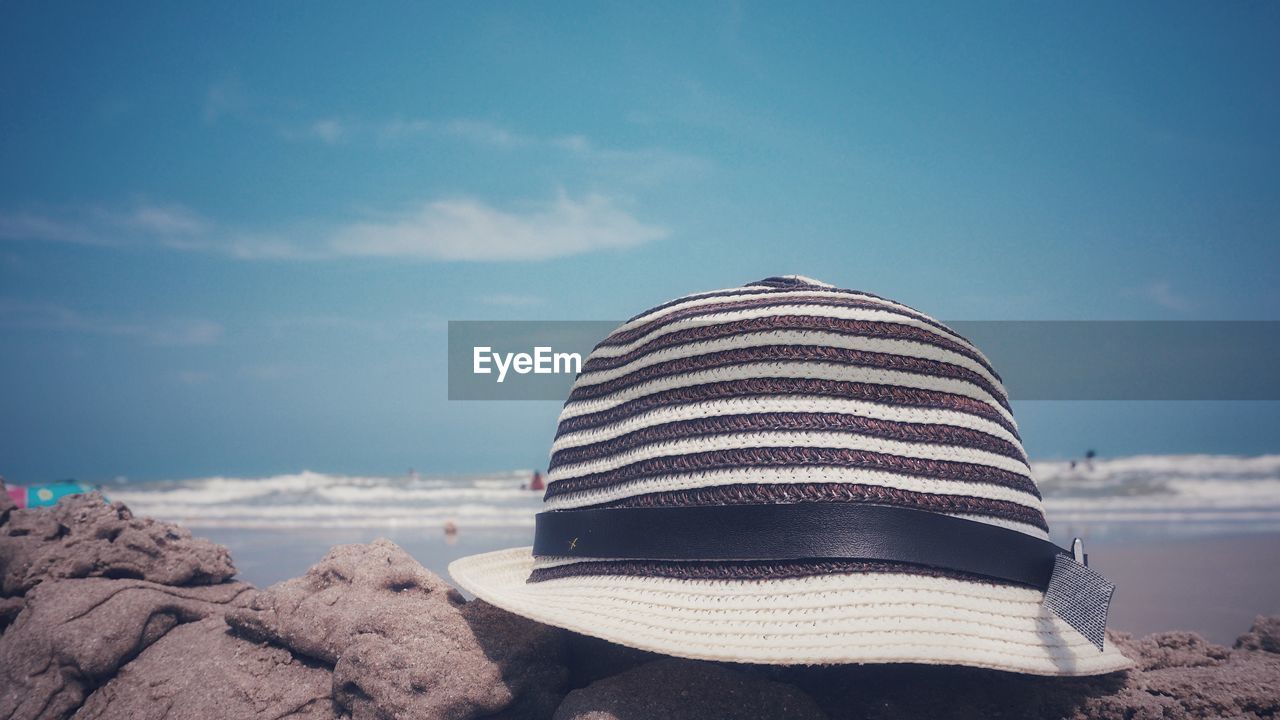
{"type": "Point", "coordinates": [792, 354]}
{"type": "Point", "coordinates": [766, 493]}
{"type": "Point", "coordinates": [797, 457]}
{"type": "Point", "coordinates": [891, 395]}
{"type": "Point", "coordinates": [784, 286]}
{"type": "Point", "coordinates": [789, 299]}
{"type": "Point", "coordinates": [930, 433]}
{"type": "Point", "coordinates": [873, 329]}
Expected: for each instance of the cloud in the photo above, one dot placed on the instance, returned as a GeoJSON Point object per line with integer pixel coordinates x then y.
{"type": "Point", "coordinates": [467, 229]}
{"type": "Point", "coordinates": [645, 165]}
{"type": "Point", "coordinates": [1162, 293]}
{"type": "Point", "coordinates": [168, 332]}
{"type": "Point", "coordinates": [178, 333]}
{"type": "Point", "coordinates": [32, 226]}
{"type": "Point", "coordinates": [451, 229]}
{"type": "Point", "coordinates": [398, 129]}
{"type": "Point", "coordinates": [142, 222]}
{"type": "Point", "coordinates": [329, 131]}
{"type": "Point", "coordinates": [165, 220]}
{"type": "Point", "coordinates": [486, 133]}
{"type": "Point", "coordinates": [226, 98]}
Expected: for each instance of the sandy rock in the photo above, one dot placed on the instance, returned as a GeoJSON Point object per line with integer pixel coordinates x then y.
{"type": "Point", "coordinates": [674, 689]}
{"type": "Point", "coordinates": [9, 609]}
{"type": "Point", "coordinates": [201, 670]}
{"type": "Point", "coordinates": [1182, 677]}
{"type": "Point", "coordinates": [1175, 649]}
{"type": "Point", "coordinates": [1264, 635]}
{"type": "Point", "coordinates": [72, 635]}
{"type": "Point", "coordinates": [84, 536]}
{"type": "Point", "coordinates": [1246, 684]}
{"type": "Point", "coordinates": [403, 643]}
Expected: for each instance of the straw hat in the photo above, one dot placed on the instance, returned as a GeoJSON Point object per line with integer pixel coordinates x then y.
{"type": "Point", "coordinates": [791, 473]}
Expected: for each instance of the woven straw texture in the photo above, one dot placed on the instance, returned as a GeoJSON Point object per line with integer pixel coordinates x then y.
{"type": "Point", "coordinates": [782, 391]}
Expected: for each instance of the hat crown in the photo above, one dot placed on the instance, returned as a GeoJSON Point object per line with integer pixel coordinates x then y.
{"type": "Point", "coordinates": [791, 390]}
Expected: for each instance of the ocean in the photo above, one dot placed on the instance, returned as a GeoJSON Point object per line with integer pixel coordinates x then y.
{"type": "Point", "coordinates": [1133, 496]}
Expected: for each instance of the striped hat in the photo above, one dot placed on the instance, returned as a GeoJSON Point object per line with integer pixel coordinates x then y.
{"type": "Point", "coordinates": [792, 473]}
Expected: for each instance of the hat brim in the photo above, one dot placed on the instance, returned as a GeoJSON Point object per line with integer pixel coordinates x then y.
{"type": "Point", "coordinates": [818, 620]}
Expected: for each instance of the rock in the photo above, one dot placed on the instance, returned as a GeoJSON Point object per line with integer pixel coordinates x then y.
{"type": "Point", "coordinates": [531, 657]}
{"type": "Point", "coordinates": [9, 609]}
{"type": "Point", "coordinates": [1264, 635]}
{"type": "Point", "coordinates": [1244, 685]}
{"type": "Point", "coordinates": [402, 642]}
{"type": "Point", "coordinates": [84, 536]}
{"type": "Point", "coordinates": [1174, 649]}
{"type": "Point", "coordinates": [318, 614]}
{"type": "Point", "coordinates": [674, 689]}
{"type": "Point", "coordinates": [72, 635]}
{"type": "Point", "coordinates": [201, 670]}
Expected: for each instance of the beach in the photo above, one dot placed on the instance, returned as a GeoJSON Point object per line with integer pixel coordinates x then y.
{"type": "Point", "coordinates": [106, 614]}
{"type": "Point", "coordinates": [1187, 539]}
{"type": "Point", "coordinates": [327, 596]}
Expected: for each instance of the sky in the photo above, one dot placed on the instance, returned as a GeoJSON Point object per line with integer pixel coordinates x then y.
{"type": "Point", "coordinates": [230, 241]}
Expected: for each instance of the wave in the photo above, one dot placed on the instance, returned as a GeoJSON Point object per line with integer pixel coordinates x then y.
{"type": "Point", "coordinates": [1173, 493]}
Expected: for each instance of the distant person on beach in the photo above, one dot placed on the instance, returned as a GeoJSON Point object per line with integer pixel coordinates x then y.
{"type": "Point", "coordinates": [536, 483]}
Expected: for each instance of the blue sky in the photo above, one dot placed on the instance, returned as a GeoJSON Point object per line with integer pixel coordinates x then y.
{"type": "Point", "coordinates": [230, 242]}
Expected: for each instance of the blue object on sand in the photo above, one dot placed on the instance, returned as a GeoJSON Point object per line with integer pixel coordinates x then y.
{"type": "Point", "coordinates": [48, 494]}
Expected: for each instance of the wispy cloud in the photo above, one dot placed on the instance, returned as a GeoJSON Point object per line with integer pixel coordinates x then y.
{"type": "Point", "coordinates": [448, 229]}
{"type": "Point", "coordinates": [467, 229]}
{"type": "Point", "coordinates": [398, 130]}
{"type": "Point", "coordinates": [169, 332]}
{"type": "Point", "coordinates": [486, 133]}
{"type": "Point", "coordinates": [225, 98]}
{"type": "Point", "coordinates": [329, 131]}
{"type": "Point", "coordinates": [25, 225]}
{"type": "Point", "coordinates": [1162, 293]}
{"type": "Point", "coordinates": [642, 165]}
{"type": "Point", "coordinates": [94, 225]}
